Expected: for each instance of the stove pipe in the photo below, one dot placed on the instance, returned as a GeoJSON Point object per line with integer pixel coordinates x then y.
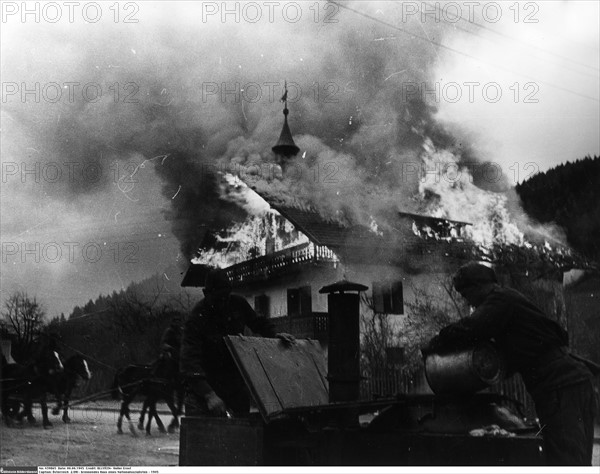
{"type": "Point", "coordinates": [343, 362]}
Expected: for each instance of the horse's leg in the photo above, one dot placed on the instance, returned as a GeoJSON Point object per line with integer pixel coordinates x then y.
{"type": "Point", "coordinates": [5, 408]}
{"type": "Point", "coordinates": [143, 414]}
{"type": "Point", "coordinates": [175, 412]}
{"type": "Point", "coordinates": [13, 407]}
{"type": "Point", "coordinates": [13, 410]}
{"type": "Point", "coordinates": [59, 404]}
{"type": "Point", "coordinates": [27, 410]}
{"type": "Point", "coordinates": [46, 422]}
{"type": "Point", "coordinates": [154, 413]}
{"type": "Point", "coordinates": [65, 404]}
{"type": "Point", "coordinates": [159, 422]}
{"type": "Point", "coordinates": [120, 419]}
{"type": "Point", "coordinates": [151, 409]}
{"type": "Point", "coordinates": [126, 412]}
{"type": "Point", "coordinates": [21, 413]}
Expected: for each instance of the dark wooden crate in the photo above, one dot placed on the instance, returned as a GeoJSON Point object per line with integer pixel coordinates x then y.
{"type": "Point", "coordinates": [206, 441]}
{"type": "Point", "coordinates": [436, 449]}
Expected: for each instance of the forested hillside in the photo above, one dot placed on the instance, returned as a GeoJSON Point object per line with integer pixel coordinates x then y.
{"type": "Point", "coordinates": [568, 195]}
{"type": "Point", "coordinates": [124, 327]}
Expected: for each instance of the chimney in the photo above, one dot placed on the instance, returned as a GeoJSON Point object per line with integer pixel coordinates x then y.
{"type": "Point", "coordinates": [285, 146]}
{"type": "Point", "coordinates": [343, 363]}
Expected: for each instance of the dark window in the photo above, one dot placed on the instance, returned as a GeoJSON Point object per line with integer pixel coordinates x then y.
{"type": "Point", "coordinates": [299, 301]}
{"type": "Point", "coordinates": [388, 297]}
{"type": "Point", "coordinates": [261, 305]}
{"type": "Point", "coordinates": [293, 302]}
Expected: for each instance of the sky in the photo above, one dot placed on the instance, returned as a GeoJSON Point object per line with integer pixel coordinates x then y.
{"type": "Point", "coordinates": [115, 117]}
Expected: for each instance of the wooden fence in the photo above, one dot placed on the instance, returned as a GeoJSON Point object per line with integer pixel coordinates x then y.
{"type": "Point", "coordinates": [390, 382]}
{"type": "Point", "coordinates": [314, 326]}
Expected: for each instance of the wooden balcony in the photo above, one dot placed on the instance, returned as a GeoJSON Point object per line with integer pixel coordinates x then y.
{"type": "Point", "coordinates": [268, 266]}
{"type": "Point", "coordinates": [314, 326]}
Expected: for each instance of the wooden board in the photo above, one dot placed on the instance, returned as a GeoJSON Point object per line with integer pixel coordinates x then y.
{"type": "Point", "coordinates": [281, 376]}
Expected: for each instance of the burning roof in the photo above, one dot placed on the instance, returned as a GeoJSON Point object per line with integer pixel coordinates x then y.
{"type": "Point", "coordinates": [297, 234]}
{"type": "Point", "coordinates": [279, 229]}
{"type": "Point", "coordinates": [295, 217]}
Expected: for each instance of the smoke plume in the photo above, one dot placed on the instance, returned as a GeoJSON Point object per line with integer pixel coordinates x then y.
{"type": "Point", "coordinates": [193, 99]}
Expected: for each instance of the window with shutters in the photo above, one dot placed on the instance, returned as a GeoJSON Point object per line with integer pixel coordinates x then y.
{"type": "Point", "coordinates": [299, 302]}
{"type": "Point", "coordinates": [388, 297]}
{"type": "Point", "coordinates": [261, 305]}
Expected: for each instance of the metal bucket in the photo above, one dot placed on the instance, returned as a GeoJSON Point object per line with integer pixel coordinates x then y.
{"type": "Point", "coordinates": [466, 371]}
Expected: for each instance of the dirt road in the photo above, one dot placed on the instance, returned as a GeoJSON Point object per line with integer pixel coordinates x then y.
{"type": "Point", "coordinates": [91, 439]}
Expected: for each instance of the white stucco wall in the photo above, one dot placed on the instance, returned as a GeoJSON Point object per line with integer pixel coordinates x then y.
{"type": "Point", "coordinates": [318, 276]}
{"type": "Point", "coordinates": [314, 276]}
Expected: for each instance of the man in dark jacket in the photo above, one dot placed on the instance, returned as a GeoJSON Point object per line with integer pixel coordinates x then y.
{"type": "Point", "coordinates": [170, 343]}
{"type": "Point", "coordinates": [214, 386]}
{"type": "Point", "coordinates": [171, 338]}
{"type": "Point", "coordinates": [536, 347]}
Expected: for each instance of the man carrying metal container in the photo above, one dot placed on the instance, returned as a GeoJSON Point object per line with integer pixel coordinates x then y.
{"type": "Point", "coordinates": [535, 346]}
{"type": "Point", "coordinates": [213, 383]}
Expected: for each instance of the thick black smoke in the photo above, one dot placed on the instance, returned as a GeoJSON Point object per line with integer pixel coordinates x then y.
{"type": "Point", "coordinates": [176, 92]}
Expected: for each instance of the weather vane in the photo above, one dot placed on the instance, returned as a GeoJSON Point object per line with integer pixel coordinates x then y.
{"type": "Point", "coordinates": [284, 98]}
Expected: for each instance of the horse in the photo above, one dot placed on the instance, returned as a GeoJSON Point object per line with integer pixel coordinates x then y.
{"type": "Point", "coordinates": [170, 347]}
{"type": "Point", "coordinates": [75, 367]}
{"type": "Point", "coordinates": [179, 392]}
{"type": "Point", "coordinates": [156, 382]}
{"type": "Point", "coordinates": [29, 382]}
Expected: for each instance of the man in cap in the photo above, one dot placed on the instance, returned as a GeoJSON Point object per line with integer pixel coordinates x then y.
{"type": "Point", "coordinates": [170, 340]}
{"type": "Point", "coordinates": [214, 386]}
{"type": "Point", "coordinates": [536, 347]}
{"type": "Point", "coordinates": [170, 344]}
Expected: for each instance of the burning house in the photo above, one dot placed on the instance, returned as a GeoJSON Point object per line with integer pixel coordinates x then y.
{"type": "Point", "coordinates": [293, 243]}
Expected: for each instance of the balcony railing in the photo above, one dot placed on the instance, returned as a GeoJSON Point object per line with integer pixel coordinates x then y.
{"type": "Point", "coordinates": [313, 326]}
{"type": "Point", "coordinates": [276, 263]}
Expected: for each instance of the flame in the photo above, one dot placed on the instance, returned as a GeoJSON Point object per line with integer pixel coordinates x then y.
{"type": "Point", "coordinates": [457, 198]}
{"type": "Point", "coordinates": [262, 232]}
{"type": "Point", "coordinates": [235, 190]}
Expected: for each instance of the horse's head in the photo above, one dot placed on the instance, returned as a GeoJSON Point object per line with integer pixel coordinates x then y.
{"type": "Point", "coordinates": [47, 363]}
{"type": "Point", "coordinates": [55, 364]}
{"type": "Point", "coordinates": [45, 358]}
{"type": "Point", "coordinates": [78, 365]}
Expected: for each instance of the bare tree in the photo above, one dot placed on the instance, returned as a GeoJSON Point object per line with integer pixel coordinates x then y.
{"type": "Point", "coordinates": [378, 334]}
{"type": "Point", "coordinates": [426, 316]}
{"type": "Point", "coordinates": [141, 315]}
{"type": "Point", "coordinates": [24, 317]}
